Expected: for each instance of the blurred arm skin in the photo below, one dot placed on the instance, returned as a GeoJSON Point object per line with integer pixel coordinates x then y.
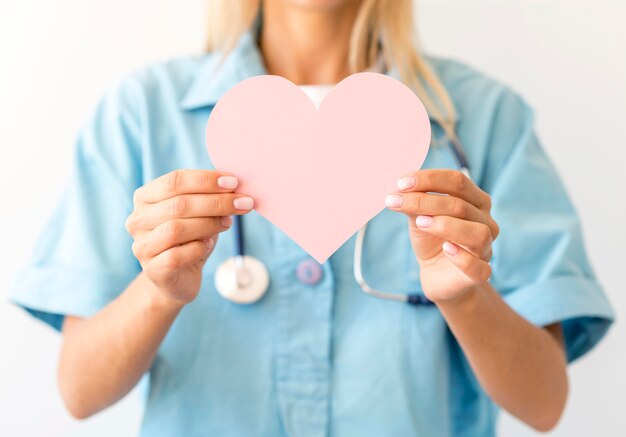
{"type": "Point", "coordinates": [103, 358]}
{"type": "Point", "coordinates": [522, 367]}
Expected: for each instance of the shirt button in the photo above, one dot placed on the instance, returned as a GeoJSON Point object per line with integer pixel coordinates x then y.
{"type": "Point", "coordinates": [309, 271]}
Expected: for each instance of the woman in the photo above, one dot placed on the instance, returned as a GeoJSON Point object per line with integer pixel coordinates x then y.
{"type": "Point", "coordinates": [501, 258]}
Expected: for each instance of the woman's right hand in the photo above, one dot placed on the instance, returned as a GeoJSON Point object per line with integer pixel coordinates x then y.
{"type": "Point", "coordinates": [175, 225]}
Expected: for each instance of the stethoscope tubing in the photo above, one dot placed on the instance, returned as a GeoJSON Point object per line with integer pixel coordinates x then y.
{"type": "Point", "coordinates": [414, 299]}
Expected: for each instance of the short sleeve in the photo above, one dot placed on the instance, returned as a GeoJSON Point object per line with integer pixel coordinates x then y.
{"type": "Point", "coordinates": [82, 258]}
{"type": "Point", "coordinates": [539, 263]}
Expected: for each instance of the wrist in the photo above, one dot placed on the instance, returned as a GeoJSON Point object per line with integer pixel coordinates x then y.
{"type": "Point", "coordinates": [158, 300]}
{"type": "Point", "coordinates": [465, 301]}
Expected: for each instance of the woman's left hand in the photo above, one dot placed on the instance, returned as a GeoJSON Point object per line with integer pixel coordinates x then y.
{"type": "Point", "coordinates": [451, 230]}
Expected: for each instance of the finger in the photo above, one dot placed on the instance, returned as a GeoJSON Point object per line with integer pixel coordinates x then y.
{"type": "Point", "coordinates": [164, 267]}
{"type": "Point", "coordinates": [176, 232]}
{"type": "Point", "coordinates": [475, 269]}
{"type": "Point", "coordinates": [180, 182]}
{"type": "Point", "coordinates": [445, 181]}
{"type": "Point", "coordinates": [189, 206]}
{"type": "Point", "coordinates": [474, 236]}
{"type": "Point", "coordinates": [416, 203]}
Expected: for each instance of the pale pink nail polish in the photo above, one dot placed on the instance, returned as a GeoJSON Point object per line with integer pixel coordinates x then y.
{"type": "Point", "coordinates": [450, 249]}
{"type": "Point", "coordinates": [209, 243]}
{"type": "Point", "coordinates": [423, 221]}
{"type": "Point", "coordinates": [243, 203]}
{"type": "Point", "coordinates": [228, 182]}
{"type": "Point", "coordinates": [406, 183]}
{"type": "Point", "coordinates": [394, 201]}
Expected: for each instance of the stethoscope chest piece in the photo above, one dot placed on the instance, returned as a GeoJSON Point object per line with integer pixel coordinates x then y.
{"type": "Point", "coordinates": [242, 279]}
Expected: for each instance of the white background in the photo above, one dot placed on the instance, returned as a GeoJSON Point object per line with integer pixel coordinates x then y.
{"type": "Point", "coordinates": [567, 57]}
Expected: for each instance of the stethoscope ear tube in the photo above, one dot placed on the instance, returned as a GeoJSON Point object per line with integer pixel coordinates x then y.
{"type": "Point", "coordinates": [237, 227]}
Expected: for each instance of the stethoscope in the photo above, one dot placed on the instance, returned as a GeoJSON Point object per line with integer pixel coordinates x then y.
{"type": "Point", "coordinates": [244, 279]}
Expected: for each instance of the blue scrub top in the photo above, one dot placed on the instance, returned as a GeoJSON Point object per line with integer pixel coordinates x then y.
{"type": "Point", "coordinates": [322, 358]}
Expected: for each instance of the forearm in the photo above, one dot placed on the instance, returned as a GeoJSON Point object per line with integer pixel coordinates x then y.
{"type": "Point", "coordinates": [522, 367]}
{"type": "Point", "coordinates": [103, 357]}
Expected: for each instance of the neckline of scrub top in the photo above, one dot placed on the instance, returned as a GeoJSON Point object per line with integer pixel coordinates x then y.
{"type": "Point", "coordinates": [219, 72]}
{"type": "Point", "coordinates": [316, 93]}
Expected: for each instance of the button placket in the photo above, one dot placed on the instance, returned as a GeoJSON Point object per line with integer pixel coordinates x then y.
{"type": "Point", "coordinates": [302, 364]}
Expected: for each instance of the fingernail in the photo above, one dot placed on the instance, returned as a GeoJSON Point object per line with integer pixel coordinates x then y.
{"type": "Point", "coordinates": [243, 203]}
{"type": "Point", "coordinates": [406, 183]}
{"type": "Point", "coordinates": [450, 249]}
{"type": "Point", "coordinates": [394, 200]}
{"type": "Point", "coordinates": [423, 221]}
{"type": "Point", "coordinates": [226, 221]}
{"type": "Point", "coordinates": [229, 182]}
{"type": "Point", "coordinates": [209, 243]}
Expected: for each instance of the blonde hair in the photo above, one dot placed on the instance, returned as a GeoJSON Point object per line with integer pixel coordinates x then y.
{"type": "Point", "coordinates": [382, 27]}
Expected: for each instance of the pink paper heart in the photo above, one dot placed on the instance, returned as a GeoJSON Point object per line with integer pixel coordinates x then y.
{"type": "Point", "coordinates": [319, 175]}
